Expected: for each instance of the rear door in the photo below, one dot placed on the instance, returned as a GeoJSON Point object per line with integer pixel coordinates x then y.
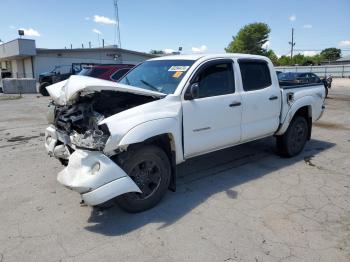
{"type": "Point", "coordinates": [212, 121]}
{"type": "Point", "coordinates": [261, 100]}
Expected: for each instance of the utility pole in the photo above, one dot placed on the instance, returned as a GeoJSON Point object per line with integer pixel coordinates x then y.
{"type": "Point", "coordinates": [292, 44]}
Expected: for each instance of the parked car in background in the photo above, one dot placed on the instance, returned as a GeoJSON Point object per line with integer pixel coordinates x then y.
{"type": "Point", "coordinates": [278, 72]}
{"type": "Point", "coordinates": [112, 72]}
{"type": "Point", "coordinates": [123, 140]}
{"type": "Point", "coordinates": [293, 78]}
{"type": "Point", "coordinates": [59, 73]}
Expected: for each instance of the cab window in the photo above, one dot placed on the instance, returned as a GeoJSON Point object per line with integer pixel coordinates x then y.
{"type": "Point", "coordinates": [255, 74]}
{"type": "Point", "coordinates": [216, 79]}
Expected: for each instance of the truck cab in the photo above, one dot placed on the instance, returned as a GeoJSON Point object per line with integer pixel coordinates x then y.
{"type": "Point", "coordinates": [123, 140]}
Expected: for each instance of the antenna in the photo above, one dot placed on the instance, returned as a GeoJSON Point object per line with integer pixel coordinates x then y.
{"type": "Point", "coordinates": [117, 27]}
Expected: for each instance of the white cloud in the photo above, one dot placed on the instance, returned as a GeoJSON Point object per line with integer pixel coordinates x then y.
{"type": "Point", "coordinates": [307, 26]}
{"type": "Point", "coordinates": [344, 43]}
{"type": "Point", "coordinates": [310, 53]}
{"type": "Point", "coordinates": [168, 50]}
{"type": "Point", "coordinates": [266, 45]}
{"type": "Point", "coordinates": [97, 31]}
{"type": "Point", "coordinates": [292, 18]}
{"type": "Point", "coordinates": [200, 49]}
{"type": "Point", "coordinates": [30, 32]}
{"type": "Point", "coordinates": [104, 20]}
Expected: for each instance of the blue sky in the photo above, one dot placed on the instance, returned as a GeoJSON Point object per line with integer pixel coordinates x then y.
{"type": "Point", "coordinates": [168, 24]}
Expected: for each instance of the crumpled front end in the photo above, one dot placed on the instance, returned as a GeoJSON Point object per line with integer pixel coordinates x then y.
{"type": "Point", "coordinates": [77, 137]}
{"type": "Point", "coordinates": [96, 177]}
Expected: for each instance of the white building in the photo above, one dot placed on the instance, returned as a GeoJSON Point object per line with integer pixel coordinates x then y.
{"type": "Point", "coordinates": [21, 59]}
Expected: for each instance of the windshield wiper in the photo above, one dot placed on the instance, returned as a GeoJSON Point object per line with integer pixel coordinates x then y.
{"type": "Point", "coordinates": [149, 85]}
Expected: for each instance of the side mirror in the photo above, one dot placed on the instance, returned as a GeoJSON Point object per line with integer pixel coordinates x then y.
{"type": "Point", "coordinates": [192, 92]}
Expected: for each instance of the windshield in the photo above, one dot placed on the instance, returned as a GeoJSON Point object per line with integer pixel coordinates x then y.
{"type": "Point", "coordinates": [158, 75]}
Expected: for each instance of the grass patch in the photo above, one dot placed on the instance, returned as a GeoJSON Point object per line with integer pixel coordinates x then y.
{"type": "Point", "coordinates": [5, 98]}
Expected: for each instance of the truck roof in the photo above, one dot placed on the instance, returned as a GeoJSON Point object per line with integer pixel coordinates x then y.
{"type": "Point", "coordinates": [208, 56]}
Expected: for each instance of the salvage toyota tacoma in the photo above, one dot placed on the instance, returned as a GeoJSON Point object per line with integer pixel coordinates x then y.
{"type": "Point", "coordinates": [122, 141]}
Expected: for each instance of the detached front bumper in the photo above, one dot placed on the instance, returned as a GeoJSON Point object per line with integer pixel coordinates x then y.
{"type": "Point", "coordinates": [96, 177]}
{"type": "Point", "coordinates": [91, 173]}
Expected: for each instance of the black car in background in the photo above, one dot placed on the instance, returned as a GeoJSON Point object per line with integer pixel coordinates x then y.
{"type": "Point", "coordinates": [59, 73]}
{"type": "Point", "coordinates": [293, 78]}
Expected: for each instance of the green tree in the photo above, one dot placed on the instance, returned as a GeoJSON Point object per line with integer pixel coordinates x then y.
{"type": "Point", "coordinates": [250, 39]}
{"type": "Point", "coordinates": [273, 57]}
{"type": "Point", "coordinates": [331, 53]}
{"type": "Point", "coordinates": [298, 59]}
{"type": "Point", "coordinates": [284, 60]}
{"type": "Point", "coordinates": [316, 59]}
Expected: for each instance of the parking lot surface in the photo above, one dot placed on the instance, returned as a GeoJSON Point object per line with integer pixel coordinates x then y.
{"type": "Point", "coordinates": [240, 204]}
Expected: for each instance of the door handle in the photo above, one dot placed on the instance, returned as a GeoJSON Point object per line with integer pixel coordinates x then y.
{"type": "Point", "coordinates": [273, 97]}
{"type": "Point", "coordinates": [235, 104]}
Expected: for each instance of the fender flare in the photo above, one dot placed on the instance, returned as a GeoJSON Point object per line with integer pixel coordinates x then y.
{"type": "Point", "coordinates": [149, 129]}
{"type": "Point", "coordinates": [306, 101]}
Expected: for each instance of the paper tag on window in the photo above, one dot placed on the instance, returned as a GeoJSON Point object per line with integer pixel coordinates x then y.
{"type": "Point", "coordinates": [177, 74]}
{"type": "Point", "coordinates": [178, 68]}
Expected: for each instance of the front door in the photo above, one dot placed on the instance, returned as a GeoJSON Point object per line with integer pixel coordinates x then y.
{"type": "Point", "coordinates": [212, 120]}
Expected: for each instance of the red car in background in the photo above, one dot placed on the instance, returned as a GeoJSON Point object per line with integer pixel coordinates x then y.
{"type": "Point", "coordinates": [112, 72]}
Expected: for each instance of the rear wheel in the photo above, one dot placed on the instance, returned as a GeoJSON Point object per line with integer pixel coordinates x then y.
{"type": "Point", "coordinates": [149, 167]}
{"type": "Point", "coordinates": [42, 88]}
{"type": "Point", "coordinates": [294, 139]}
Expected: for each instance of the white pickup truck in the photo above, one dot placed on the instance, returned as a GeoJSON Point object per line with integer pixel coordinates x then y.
{"type": "Point", "coordinates": [122, 141]}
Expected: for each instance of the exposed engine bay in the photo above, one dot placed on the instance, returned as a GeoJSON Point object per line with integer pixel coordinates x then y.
{"type": "Point", "coordinates": [80, 120]}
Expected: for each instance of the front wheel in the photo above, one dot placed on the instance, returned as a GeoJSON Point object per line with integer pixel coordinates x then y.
{"type": "Point", "coordinates": [292, 142]}
{"type": "Point", "coordinates": [149, 167]}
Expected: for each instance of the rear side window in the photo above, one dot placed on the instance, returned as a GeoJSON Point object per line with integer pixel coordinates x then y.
{"type": "Point", "coordinates": [94, 72]}
{"type": "Point", "coordinates": [119, 74]}
{"type": "Point", "coordinates": [216, 80]}
{"type": "Point", "coordinates": [255, 75]}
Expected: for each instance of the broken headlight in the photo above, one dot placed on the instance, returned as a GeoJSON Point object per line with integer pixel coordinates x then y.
{"type": "Point", "coordinates": [91, 139]}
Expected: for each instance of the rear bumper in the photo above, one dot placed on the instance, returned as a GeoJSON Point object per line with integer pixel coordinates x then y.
{"type": "Point", "coordinates": [96, 177]}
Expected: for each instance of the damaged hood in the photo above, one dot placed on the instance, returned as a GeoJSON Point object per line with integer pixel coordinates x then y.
{"type": "Point", "coordinates": [65, 92]}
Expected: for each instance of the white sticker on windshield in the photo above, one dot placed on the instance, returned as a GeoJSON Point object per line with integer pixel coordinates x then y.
{"type": "Point", "coordinates": [178, 68]}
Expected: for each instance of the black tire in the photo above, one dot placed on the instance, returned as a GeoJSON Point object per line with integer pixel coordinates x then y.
{"type": "Point", "coordinates": [42, 88]}
{"type": "Point", "coordinates": [150, 169]}
{"type": "Point", "coordinates": [293, 141]}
